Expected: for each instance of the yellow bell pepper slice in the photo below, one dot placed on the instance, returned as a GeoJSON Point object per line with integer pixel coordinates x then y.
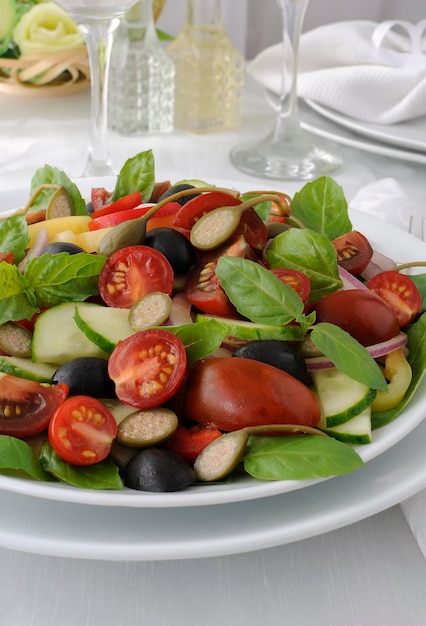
{"type": "Point", "coordinates": [398, 372]}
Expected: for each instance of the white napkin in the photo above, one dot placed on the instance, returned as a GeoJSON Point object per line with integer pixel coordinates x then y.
{"type": "Point", "coordinates": [376, 199]}
{"type": "Point", "coordinates": [369, 71]}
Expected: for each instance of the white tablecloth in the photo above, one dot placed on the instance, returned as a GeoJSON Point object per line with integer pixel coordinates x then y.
{"type": "Point", "coordinates": [370, 572]}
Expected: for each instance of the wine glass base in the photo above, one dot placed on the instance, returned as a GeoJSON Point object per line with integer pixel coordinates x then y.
{"type": "Point", "coordinates": [98, 168]}
{"type": "Point", "coordinates": [294, 158]}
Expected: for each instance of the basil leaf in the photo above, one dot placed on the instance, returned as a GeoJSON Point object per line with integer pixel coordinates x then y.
{"type": "Point", "coordinates": [103, 475]}
{"type": "Point", "coordinates": [420, 281]}
{"type": "Point", "coordinates": [17, 298]}
{"type": "Point", "coordinates": [137, 174]}
{"type": "Point", "coordinates": [14, 236]}
{"type": "Point", "coordinates": [199, 339]}
{"type": "Point", "coordinates": [257, 293]}
{"type": "Point", "coordinates": [348, 355]}
{"type": "Point", "coordinates": [416, 346]}
{"type": "Point", "coordinates": [52, 175]}
{"type": "Point", "coordinates": [321, 206]}
{"type": "Point", "coordinates": [311, 253]}
{"type": "Point", "coordinates": [299, 457]}
{"type": "Point", "coordinates": [17, 455]}
{"type": "Point", "coordinates": [61, 277]}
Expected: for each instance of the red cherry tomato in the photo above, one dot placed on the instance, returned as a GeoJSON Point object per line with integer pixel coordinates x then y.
{"type": "Point", "coordinates": [26, 407]}
{"type": "Point", "coordinates": [195, 208]}
{"type": "Point", "coordinates": [202, 286]}
{"type": "Point", "coordinates": [122, 204]}
{"type": "Point", "coordinates": [254, 230]}
{"type": "Point", "coordinates": [354, 251]}
{"type": "Point", "coordinates": [131, 273]}
{"type": "Point", "coordinates": [400, 292]}
{"type": "Point", "coordinates": [148, 368]}
{"type": "Point", "coordinates": [7, 257]}
{"type": "Point", "coordinates": [231, 393]}
{"type": "Point", "coordinates": [295, 279]}
{"type": "Point", "coordinates": [360, 312]}
{"type": "Point", "coordinates": [82, 430]}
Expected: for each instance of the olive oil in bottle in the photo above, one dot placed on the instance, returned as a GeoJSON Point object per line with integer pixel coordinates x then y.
{"type": "Point", "coordinates": [209, 71]}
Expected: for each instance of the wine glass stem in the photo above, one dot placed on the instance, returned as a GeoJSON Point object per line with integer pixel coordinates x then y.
{"type": "Point", "coordinates": [287, 120]}
{"type": "Point", "coordinates": [99, 34]}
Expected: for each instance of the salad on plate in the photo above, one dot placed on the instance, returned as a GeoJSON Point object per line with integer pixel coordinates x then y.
{"type": "Point", "coordinates": [161, 335]}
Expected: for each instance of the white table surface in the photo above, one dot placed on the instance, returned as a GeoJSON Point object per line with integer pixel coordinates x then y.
{"type": "Point", "coordinates": [370, 572]}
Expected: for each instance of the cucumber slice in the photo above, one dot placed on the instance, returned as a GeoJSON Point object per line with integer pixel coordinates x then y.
{"type": "Point", "coordinates": [25, 368]}
{"type": "Point", "coordinates": [341, 397]}
{"type": "Point", "coordinates": [250, 331]}
{"type": "Point", "coordinates": [356, 431]}
{"type": "Point", "coordinates": [103, 325]}
{"type": "Point", "coordinates": [57, 339]}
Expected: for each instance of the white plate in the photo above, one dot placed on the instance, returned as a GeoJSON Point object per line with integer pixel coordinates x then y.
{"type": "Point", "coordinates": [319, 125]}
{"type": "Point", "coordinates": [410, 135]}
{"type": "Point", "coordinates": [385, 238]}
{"type": "Point", "coordinates": [78, 531]}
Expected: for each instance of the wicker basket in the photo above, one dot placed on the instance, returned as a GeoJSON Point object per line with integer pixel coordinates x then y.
{"type": "Point", "coordinates": [46, 74]}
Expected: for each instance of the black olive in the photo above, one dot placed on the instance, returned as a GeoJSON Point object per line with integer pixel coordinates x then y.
{"type": "Point", "coordinates": [179, 252]}
{"type": "Point", "coordinates": [157, 469]}
{"type": "Point", "coordinates": [179, 187]}
{"type": "Point", "coordinates": [276, 353]}
{"type": "Point", "coordinates": [86, 376]}
{"type": "Point", "coordinates": [62, 246]}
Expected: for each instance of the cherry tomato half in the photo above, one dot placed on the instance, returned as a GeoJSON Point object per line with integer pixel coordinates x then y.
{"type": "Point", "coordinates": [148, 368]}
{"type": "Point", "coordinates": [231, 393]}
{"type": "Point", "coordinates": [295, 279]}
{"type": "Point", "coordinates": [400, 292]}
{"type": "Point", "coordinates": [133, 272]}
{"type": "Point", "coordinates": [360, 312]}
{"type": "Point", "coordinates": [82, 430]}
{"type": "Point", "coordinates": [122, 204]}
{"type": "Point", "coordinates": [354, 251]}
{"type": "Point", "coordinates": [202, 286]}
{"type": "Point", "coordinates": [26, 406]}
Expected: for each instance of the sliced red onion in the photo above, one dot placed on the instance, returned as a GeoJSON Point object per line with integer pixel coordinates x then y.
{"type": "Point", "coordinates": [379, 263]}
{"type": "Point", "coordinates": [41, 240]}
{"type": "Point", "coordinates": [377, 350]}
{"type": "Point", "coordinates": [349, 280]}
{"type": "Point", "coordinates": [181, 311]}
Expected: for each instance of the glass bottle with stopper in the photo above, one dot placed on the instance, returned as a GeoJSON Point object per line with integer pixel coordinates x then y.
{"type": "Point", "coordinates": [209, 71]}
{"type": "Point", "coordinates": [142, 76]}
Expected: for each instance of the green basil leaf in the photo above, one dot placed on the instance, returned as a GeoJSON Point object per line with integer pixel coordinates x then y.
{"type": "Point", "coordinates": [137, 174]}
{"type": "Point", "coordinates": [17, 298]}
{"type": "Point", "coordinates": [321, 206]}
{"type": "Point", "coordinates": [200, 339]}
{"type": "Point", "coordinates": [257, 293]}
{"type": "Point", "coordinates": [14, 236]}
{"type": "Point", "coordinates": [17, 456]}
{"type": "Point", "coordinates": [299, 457]}
{"type": "Point", "coordinates": [311, 253]}
{"type": "Point", "coordinates": [103, 475]}
{"type": "Point", "coordinates": [61, 277]}
{"type": "Point", "coordinates": [52, 175]}
{"type": "Point", "coordinates": [420, 281]}
{"type": "Point", "coordinates": [416, 346]}
{"type": "Point", "coordinates": [348, 355]}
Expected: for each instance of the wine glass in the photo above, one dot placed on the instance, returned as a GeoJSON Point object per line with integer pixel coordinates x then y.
{"type": "Point", "coordinates": [98, 19]}
{"type": "Point", "coordinates": [288, 152]}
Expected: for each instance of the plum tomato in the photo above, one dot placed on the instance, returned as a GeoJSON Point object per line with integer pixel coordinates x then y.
{"type": "Point", "coordinates": [400, 292]}
{"type": "Point", "coordinates": [190, 442]}
{"type": "Point", "coordinates": [295, 279]}
{"type": "Point", "coordinates": [202, 286]}
{"type": "Point", "coordinates": [82, 430]}
{"type": "Point", "coordinates": [26, 406]}
{"type": "Point", "coordinates": [231, 393]}
{"type": "Point", "coordinates": [360, 312]}
{"type": "Point", "coordinates": [354, 251]}
{"type": "Point", "coordinates": [148, 368]}
{"type": "Point", "coordinates": [133, 272]}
